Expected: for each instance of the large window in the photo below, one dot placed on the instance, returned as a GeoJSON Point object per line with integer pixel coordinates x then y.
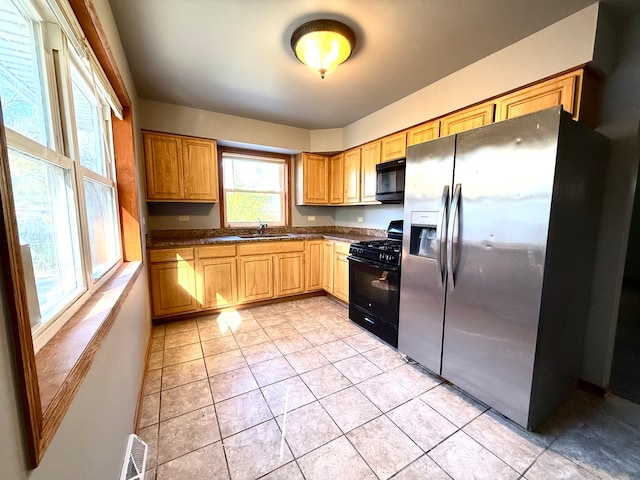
{"type": "Point", "coordinates": [255, 188]}
{"type": "Point", "coordinates": [58, 132]}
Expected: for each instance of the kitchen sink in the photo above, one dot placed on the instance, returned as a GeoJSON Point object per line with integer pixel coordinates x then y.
{"type": "Point", "coordinates": [267, 235]}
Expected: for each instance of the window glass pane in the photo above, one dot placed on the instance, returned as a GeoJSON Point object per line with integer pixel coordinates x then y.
{"type": "Point", "coordinates": [253, 189]}
{"type": "Point", "coordinates": [255, 175]}
{"type": "Point", "coordinates": [88, 125]}
{"type": "Point", "coordinates": [21, 86]}
{"type": "Point", "coordinates": [248, 207]}
{"type": "Point", "coordinates": [46, 216]}
{"type": "Point", "coordinates": [103, 227]}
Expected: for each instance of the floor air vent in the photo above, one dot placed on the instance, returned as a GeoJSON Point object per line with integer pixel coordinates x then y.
{"type": "Point", "coordinates": [135, 459]}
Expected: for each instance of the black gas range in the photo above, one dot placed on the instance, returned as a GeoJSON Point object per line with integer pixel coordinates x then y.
{"type": "Point", "coordinates": [374, 283]}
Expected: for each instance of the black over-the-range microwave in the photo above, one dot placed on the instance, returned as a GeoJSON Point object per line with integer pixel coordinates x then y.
{"type": "Point", "coordinates": [390, 181]}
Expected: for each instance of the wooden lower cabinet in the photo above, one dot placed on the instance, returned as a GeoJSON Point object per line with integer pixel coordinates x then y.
{"type": "Point", "coordinates": [313, 265]}
{"type": "Point", "coordinates": [173, 287]}
{"type": "Point", "coordinates": [218, 286]}
{"type": "Point", "coordinates": [188, 280]}
{"type": "Point", "coordinates": [289, 274]}
{"type": "Point", "coordinates": [327, 265]}
{"type": "Point", "coordinates": [341, 272]}
{"type": "Point", "coordinates": [256, 277]}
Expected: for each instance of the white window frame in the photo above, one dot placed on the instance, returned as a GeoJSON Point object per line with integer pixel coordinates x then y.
{"type": "Point", "coordinates": [258, 156]}
{"type": "Point", "coordinates": [57, 52]}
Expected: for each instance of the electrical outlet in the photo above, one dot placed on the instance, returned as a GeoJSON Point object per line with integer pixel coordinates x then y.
{"type": "Point", "coordinates": [360, 219]}
{"type": "Point", "coordinates": [183, 218]}
{"type": "Point", "coordinates": [311, 218]}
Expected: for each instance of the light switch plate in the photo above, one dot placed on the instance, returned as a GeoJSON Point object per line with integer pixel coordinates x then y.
{"type": "Point", "coordinates": [311, 218]}
{"type": "Point", "coordinates": [183, 218]}
{"type": "Point", "coordinates": [360, 219]}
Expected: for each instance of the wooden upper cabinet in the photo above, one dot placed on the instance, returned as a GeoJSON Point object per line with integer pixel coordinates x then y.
{"type": "Point", "coordinates": [163, 161]}
{"type": "Point", "coordinates": [394, 147]}
{"type": "Point", "coordinates": [180, 168]}
{"type": "Point", "coordinates": [312, 179]}
{"type": "Point", "coordinates": [352, 176]}
{"type": "Point", "coordinates": [467, 119]}
{"type": "Point", "coordinates": [369, 158]}
{"type": "Point", "coordinates": [200, 167]}
{"type": "Point", "coordinates": [561, 90]}
{"type": "Point", "coordinates": [336, 179]}
{"type": "Point", "coordinates": [423, 133]}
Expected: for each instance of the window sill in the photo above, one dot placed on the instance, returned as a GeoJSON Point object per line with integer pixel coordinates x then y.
{"type": "Point", "coordinates": [65, 360]}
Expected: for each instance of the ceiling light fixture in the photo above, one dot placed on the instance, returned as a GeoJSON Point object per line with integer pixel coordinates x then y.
{"type": "Point", "coordinates": [322, 45]}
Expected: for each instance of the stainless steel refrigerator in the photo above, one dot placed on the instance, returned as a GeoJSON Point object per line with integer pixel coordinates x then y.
{"type": "Point", "coordinates": [497, 258]}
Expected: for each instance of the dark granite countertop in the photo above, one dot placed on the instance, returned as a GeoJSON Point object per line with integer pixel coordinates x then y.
{"type": "Point", "coordinates": [188, 238]}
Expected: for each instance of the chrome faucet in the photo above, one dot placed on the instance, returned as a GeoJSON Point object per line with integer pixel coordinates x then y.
{"type": "Point", "coordinates": [261, 227]}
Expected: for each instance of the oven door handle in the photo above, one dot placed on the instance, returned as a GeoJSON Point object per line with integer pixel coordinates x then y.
{"type": "Point", "coordinates": [370, 263]}
{"type": "Point", "coordinates": [441, 231]}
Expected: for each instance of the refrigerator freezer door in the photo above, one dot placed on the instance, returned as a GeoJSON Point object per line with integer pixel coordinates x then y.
{"type": "Point", "coordinates": [428, 178]}
{"type": "Point", "coordinates": [506, 174]}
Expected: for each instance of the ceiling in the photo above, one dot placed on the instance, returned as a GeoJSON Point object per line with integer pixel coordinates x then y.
{"type": "Point", "coordinates": [234, 56]}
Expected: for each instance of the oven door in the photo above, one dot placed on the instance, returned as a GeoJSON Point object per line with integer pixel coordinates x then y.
{"type": "Point", "coordinates": [374, 296]}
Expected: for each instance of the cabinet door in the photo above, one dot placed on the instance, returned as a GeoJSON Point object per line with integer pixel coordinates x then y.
{"type": "Point", "coordinates": [289, 273]}
{"type": "Point", "coordinates": [218, 286]}
{"type": "Point", "coordinates": [557, 91]}
{"type": "Point", "coordinates": [163, 163]}
{"type": "Point", "coordinates": [200, 169]}
{"type": "Point", "coordinates": [423, 133]}
{"type": "Point", "coordinates": [336, 179]}
{"type": "Point", "coordinates": [313, 265]}
{"type": "Point", "coordinates": [467, 119]}
{"type": "Point", "coordinates": [368, 178]}
{"type": "Point", "coordinates": [256, 278]}
{"type": "Point", "coordinates": [327, 265]}
{"type": "Point", "coordinates": [173, 288]}
{"type": "Point", "coordinates": [352, 176]}
{"type": "Point", "coordinates": [341, 277]}
{"type": "Point", "coordinates": [315, 171]}
{"type": "Point", "coordinates": [394, 147]}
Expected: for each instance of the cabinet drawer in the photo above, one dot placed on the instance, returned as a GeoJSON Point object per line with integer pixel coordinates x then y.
{"type": "Point", "coordinates": [263, 248]}
{"type": "Point", "coordinates": [216, 251]}
{"type": "Point", "coordinates": [170, 255]}
{"type": "Point", "coordinates": [342, 247]}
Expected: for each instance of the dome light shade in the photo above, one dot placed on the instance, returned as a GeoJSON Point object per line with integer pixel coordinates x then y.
{"type": "Point", "coordinates": [322, 45]}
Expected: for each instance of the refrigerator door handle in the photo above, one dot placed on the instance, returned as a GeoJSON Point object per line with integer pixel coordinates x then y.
{"type": "Point", "coordinates": [441, 231]}
{"type": "Point", "coordinates": [453, 236]}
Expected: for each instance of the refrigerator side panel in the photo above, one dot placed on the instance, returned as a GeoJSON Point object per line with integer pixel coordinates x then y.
{"type": "Point", "coordinates": [573, 232]}
{"type": "Point", "coordinates": [429, 172]}
{"type": "Point", "coordinates": [505, 172]}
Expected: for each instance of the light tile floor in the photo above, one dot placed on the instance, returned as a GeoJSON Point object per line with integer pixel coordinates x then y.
{"type": "Point", "coordinates": [296, 390]}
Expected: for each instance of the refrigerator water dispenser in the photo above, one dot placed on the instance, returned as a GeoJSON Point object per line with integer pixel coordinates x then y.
{"type": "Point", "coordinates": [423, 234]}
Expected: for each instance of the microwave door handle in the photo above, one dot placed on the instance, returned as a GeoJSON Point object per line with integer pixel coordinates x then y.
{"type": "Point", "coordinates": [441, 231]}
{"type": "Point", "coordinates": [453, 234]}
